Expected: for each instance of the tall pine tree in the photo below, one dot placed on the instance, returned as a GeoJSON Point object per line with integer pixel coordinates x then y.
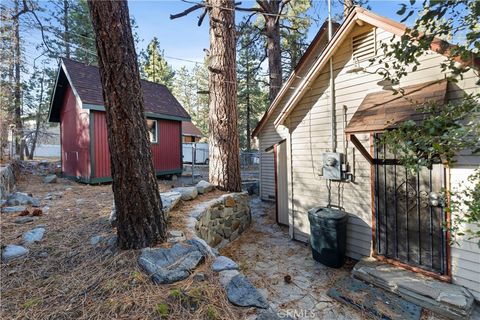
{"type": "Point", "coordinates": [154, 66]}
{"type": "Point", "coordinates": [252, 94]}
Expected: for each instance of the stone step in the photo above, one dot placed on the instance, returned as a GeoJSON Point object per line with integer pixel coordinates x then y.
{"type": "Point", "coordinates": [450, 300]}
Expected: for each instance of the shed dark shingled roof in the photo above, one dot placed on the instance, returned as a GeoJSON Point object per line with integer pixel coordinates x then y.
{"type": "Point", "coordinates": [189, 129]}
{"type": "Point", "coordinates": [86, 81]}
{"type": "Point", "coordinates": [383, 110]}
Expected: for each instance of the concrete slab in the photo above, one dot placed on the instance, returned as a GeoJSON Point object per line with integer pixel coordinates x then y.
{"type": "Point", "coordinates": [375, 301]}
{"type": "Point", "coordinates": [450, 300]}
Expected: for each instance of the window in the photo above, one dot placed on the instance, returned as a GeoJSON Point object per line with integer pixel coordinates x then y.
{"type": "Point", "coordinates": [152, 128]}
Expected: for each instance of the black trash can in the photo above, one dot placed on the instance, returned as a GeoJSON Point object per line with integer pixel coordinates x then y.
{"type": "Point", "coordinates": [328, 235]}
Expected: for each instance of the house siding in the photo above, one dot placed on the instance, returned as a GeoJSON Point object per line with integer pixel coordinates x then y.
{"type": "Point", "coordinates": [309, 137]}
{"type": "Point", "coordinates": [166, 152]}
{"type": "Point", "coordinates": [269, 135]}
{"type": "Point", "coordinates": [75, 137]}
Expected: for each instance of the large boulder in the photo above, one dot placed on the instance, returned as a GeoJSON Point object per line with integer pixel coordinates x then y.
{"type": "Point", "coordinates": [188, 193]}
{"type": "Point", "coordinates": [51, 178]}
{"type": "Point", "coordinates": [169, 265]}
{"type": "Point", "coordinates": [21, 198]}
{"type": "Point", "coordinates": [204, 187]}
{"type": "Point", "coordinates": [12, 251]}
{"type": "Point", "coordinates": [34, 235]}
{"type": "Point", "coordinates": [241, 292]}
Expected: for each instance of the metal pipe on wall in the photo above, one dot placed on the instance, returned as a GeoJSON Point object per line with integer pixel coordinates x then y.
{"type": "Point", "coordinates": [332, 83]}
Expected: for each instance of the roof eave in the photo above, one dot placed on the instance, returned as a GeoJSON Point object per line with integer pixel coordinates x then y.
{"type": "Point", "coordinates": [287, 84]}
{"type": "Point", "coordinates": [148, 114]}
{"type": "Point", "coordinates": [355, 15]}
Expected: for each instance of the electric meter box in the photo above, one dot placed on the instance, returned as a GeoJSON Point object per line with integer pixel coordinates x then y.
{"type": "Point", "coordinates": [332, 165]}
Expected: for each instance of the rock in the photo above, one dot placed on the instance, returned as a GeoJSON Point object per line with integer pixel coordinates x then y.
{"type": "Point", "coordinates": [80, 202]}
{"type": "Point", "coordinates": [112, 242]}
{"type": "Point", "coordinates": [224, 263]}
{"type": "Point", "coordinates": [34, 235]}
{"type": "Point", "coordinates": [95, 240]}
{"type": "Point", "coordinates": [229, 201]}
{"type": "Point", "coordinates": [188, 193]}
{"type": "Point", "coordinates": [21, 198]}
{"type": "Point", "coordinates": [175, 236]}
{"type": "Point", "coordinates": [170, 265]}
{"type": "Point", "coordinates": [170, 200]}
{"type": "Point", "coordinates": [204, 187]}
{"type": "Point", "coordinates": [199, 277]}
{"type": "Point", "coordinates": [2, 202]}
{"type": "Point", "coordinates": [45, 209]}
{"type": "Point", "coordinates": [23, 220]}
{"type": "Point", "coordinates": [113, 217]}
{"type": "Point", "coordinates": [12, 251]}
{"type": "Point", "coordinates": [42, 254]}
{"type": "Point", "coordinates": [242, 293]}
{"type": "Point", "coordinates": [226, 276]}
{"type": "Point", "coordinates": [51, 178]}
{"type": "Point", "coordinates": [202, 246]}
{"type": "Point", "coordinates": [14, 209]}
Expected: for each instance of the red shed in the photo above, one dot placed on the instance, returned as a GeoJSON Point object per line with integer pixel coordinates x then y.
{"type": "Point", "coordinates": [77, 104]}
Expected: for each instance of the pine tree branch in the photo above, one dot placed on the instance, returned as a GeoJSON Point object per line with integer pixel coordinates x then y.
{"type": "Point", "coordinates": [187, 11]}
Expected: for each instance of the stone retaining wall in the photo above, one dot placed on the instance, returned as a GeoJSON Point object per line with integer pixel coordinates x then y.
{"type": "Point", "coordinates": [7, 180]}
{"type": "Point", "coordinates": [222, 220]}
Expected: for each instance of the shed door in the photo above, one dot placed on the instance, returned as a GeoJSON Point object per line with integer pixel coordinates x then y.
{"type": "Point", "coordinates": [408, 223]}
{"type": "Point", "coordinates": [281, 183]}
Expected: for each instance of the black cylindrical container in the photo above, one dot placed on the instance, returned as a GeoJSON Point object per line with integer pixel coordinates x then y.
{"type": "Point", "coordinates": [328, 235]}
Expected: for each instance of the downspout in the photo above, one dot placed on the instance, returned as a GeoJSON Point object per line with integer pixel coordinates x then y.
{"type": "Point", "coordinates": [332, 84]}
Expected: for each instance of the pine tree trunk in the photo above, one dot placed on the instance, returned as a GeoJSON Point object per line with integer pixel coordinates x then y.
{"type": "Point", "coordinates": [224, 167]}
{"type": "Point", "coordinates": [248, 103]}
{"type": "Point", "coordinates": [66, 35]}
{"type": "Point", "coordinates": [141, 222]}
{"type": "Point", "coordinates": [274, 54]}
{"type": "Point", "coordinates": [19, 142]}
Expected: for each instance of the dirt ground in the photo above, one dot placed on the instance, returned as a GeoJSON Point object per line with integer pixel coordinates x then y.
{"type": "Point", "coordinates": [65, 277]}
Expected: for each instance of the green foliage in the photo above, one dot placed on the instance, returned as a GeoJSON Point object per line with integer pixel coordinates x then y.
{"type": "Point", "coordinates": [154, 67]}
{"type": "Point", "coordinates": [162, 309]}
{"type": "Point", "coordinates": [465, 202]}
{"type": "Point", "coordinates": [190, 87]}
{"type": "Point", "coordinates": [31, 303]}
{"type": "Point", "coordinates": [447, 130]}
{"type": "Point", "coordinates": [212, 313]}
{"type": "Point", "coordinates": [448, 27]}
{"type": "Point", "coordinates": [81, 35]}
{"type": "Point", "coordinates": [296, 24]}
{"type": "Point", "coordinates": [252, 94]}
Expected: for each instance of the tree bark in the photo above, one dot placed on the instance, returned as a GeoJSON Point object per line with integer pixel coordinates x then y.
{"type": "Point", "coordinates": [141, 222]}
{"type": "Point", "coordinates": [38, 119]}
{"type": "Point", "coordinates": [224, 167]}
{"type": "Point", "coordinates": [66, 36]}
{"type": "Point", "coordinates": [274, 51]}
{"type": "Point", "coordinates": [19, 142]}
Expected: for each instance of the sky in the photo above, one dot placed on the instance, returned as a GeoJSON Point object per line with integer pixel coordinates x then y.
{"type": "Point", "coordinates": [183, 39]}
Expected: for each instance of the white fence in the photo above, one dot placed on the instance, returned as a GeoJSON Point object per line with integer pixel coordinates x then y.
{"type": "Point", "coordinates": [201, 152]}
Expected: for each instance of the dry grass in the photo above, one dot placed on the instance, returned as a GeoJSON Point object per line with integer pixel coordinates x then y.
{"type": "Point", "coordinates": [79, 281]}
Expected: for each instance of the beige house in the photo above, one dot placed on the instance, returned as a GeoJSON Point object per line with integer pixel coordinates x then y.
{"type": "Point", "coordinates": [391, 216]}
